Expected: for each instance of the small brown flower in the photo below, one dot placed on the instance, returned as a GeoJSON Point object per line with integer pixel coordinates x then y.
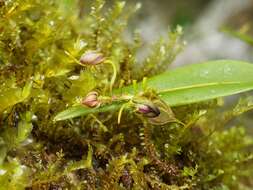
{"type": "Point", "coordinates": [148, 110]}
{"type": "Point", "coordinates": [91, 99]}
{"type": "Point", "coordinates": [92, 58]}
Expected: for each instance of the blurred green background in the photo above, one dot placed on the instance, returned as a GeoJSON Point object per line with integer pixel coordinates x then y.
{"type": "Point", "coordinates": [213, 29]}
{"type": "Point", "coordinates": [204, 23]}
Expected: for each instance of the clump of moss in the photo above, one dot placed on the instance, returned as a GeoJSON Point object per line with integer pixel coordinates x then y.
{"type": "Point", "coordinates": [40, 75]}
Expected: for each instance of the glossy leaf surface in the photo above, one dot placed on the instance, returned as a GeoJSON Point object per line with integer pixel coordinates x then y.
{"type": "Point", "coordinates": [185, 85]}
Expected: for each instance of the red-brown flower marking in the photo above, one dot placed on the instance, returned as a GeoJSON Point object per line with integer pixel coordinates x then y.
{"type": "Point", "coordinates": [91, 99]}
{"type": "Point", "coordinates": [148, 110]}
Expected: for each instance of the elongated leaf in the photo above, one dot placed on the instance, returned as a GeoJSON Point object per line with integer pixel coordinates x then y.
{"type": "Point", "coordinates": [189, 84]}
{"type": "Point", "coordinates": [81, 110]}
{"type": "Point", "coordinates": [242, 36]}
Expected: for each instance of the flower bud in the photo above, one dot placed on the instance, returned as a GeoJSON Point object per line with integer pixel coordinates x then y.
{"type": "Point", "coordinates": [91, 100]}
{"type": "Point", "coordinates": [148, 110]}
{"type": "Point", "coordinates": [92, 58]}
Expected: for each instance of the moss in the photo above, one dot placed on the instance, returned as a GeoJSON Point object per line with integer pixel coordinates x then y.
{"type": "Point", "coordinates": [40, 75]}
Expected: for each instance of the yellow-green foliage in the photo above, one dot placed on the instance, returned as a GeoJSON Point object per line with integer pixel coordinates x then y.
{"type": "Point", "coordinates": [40, 45]}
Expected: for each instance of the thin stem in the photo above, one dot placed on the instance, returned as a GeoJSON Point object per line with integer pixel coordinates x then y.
{"type": "Point", "coordinates": [135, 86]}
{"type": "Point", "coordinates": [144, 83]}
{"type": "Point", "coordinates": [72, 57]}
{"type": "Point", "coordinates": [99, 122]}
{"type": "Point", "coordinates": [121, 111]}
{"type": "Point", "coordinates": [114, 74]}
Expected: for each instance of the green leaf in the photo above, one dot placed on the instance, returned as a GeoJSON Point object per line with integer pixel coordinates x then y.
{"type": "Point", "coordinates": [189, 84]}
{"type": "Point", "coordinates": [81, 110]}
{"type": "Point", "coordinates": [237, 34]}
{"type": "Point", "coordinates": [13, 96]}
{"type": "Point", "coordinates": [13, 137]}
{"type": "Point", "coordinates": [24, 127]}
{"type": "Point", "coordinates": [14, 175]}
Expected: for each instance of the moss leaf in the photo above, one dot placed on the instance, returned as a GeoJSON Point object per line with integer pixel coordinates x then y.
{"type": "Point", "coordinates": [13, 96]}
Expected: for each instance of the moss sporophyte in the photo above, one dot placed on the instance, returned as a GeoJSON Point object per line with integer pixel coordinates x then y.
{"type": "Point", "coordinates": [79, 110]}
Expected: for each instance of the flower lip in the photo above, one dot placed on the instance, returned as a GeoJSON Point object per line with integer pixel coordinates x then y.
{"type": "Point", "coordinates": [148, 110]}
{"type": "Point", "coordinates": [91, 99]}
{"type": "Point", "coordinates": [92, 58]}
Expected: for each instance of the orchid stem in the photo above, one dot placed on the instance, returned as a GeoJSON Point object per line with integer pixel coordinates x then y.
{"type": "Point", "coordinates": [121, 111]}
{"type": "Point", "coordinates": [72, 57]}
{"type": "Point", "coordinates": [114, 74]}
